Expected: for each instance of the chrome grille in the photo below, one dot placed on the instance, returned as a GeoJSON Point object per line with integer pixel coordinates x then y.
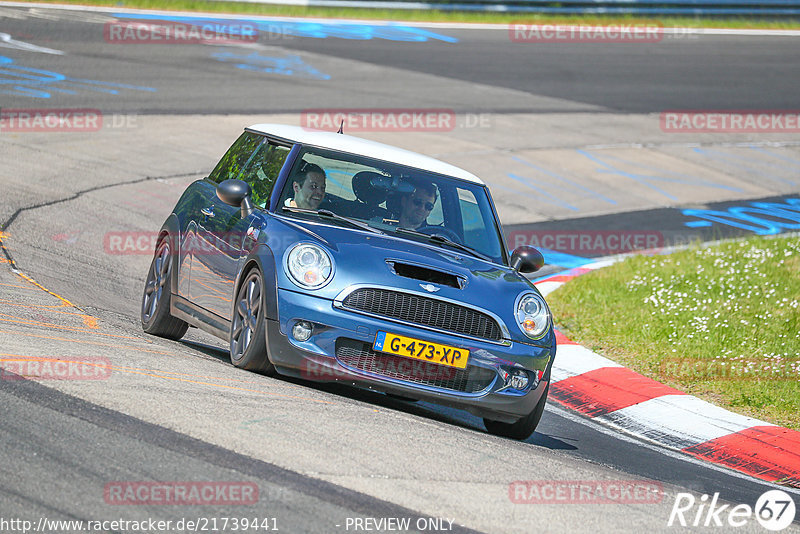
{"type": "Point", "coordinates": [359, 355]}
{"type": "Point", "coordinates": [425, 311]}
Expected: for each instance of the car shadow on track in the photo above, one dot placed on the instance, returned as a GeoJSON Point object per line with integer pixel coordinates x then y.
{"type": "Point", "coordinates": [434, 412]}
{"type": "Point", "coordinates": [217, 353]}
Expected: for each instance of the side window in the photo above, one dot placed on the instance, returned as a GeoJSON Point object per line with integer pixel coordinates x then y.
{"type": "Point", "coordinates": [475, 215]}
{"type": "Point", "coordinates": [436, 216]}
{"type": "Point", "coordinates": [262, 171]}
{"type": "Point", "coordinates": [474, 231]}
{"type": "Point", "coordinates": [237, 156]}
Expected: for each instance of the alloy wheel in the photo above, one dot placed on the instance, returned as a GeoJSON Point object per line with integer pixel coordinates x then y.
{"type": "Point", "coordinates": [246, 316]}
{"type": "Point", "coordinates": [157, 279]}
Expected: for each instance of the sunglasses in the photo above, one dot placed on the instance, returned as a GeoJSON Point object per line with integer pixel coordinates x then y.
{"type": "Point", "coordinates": [418, 202]}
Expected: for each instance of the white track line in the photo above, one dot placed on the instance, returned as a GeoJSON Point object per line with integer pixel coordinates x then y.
{"type": "Point", "coordinates": [7, 42]}
{"type": "Point", "coordinates": [680, 421]}
{"type": "Point", "coordinates": [573, 360]}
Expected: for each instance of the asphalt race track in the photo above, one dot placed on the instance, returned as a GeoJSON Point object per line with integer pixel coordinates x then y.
{"type": "Point", "coordinates": [569, 137]}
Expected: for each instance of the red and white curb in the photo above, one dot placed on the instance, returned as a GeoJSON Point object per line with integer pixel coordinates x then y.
{"type": "Point", "coordinates": [606, 391]}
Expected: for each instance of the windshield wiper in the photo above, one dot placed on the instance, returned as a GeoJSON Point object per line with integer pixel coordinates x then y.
{"type": "Point", "coordinates": [439, 238]}
{"type": "Point", "coordinates": [335, 216]}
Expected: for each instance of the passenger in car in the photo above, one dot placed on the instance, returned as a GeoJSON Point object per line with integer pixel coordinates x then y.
{"type": "Point", "coordinates": [415, 207]}
{"type": "Point", "coordinates": [308, 186]}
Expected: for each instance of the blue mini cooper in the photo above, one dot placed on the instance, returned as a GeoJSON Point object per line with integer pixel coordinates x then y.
{"type": "Point", "coordinates": [328, 257]}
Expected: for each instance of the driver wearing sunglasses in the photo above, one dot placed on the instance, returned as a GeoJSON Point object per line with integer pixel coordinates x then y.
{"type": "Point", "coordinates": [416, 207]}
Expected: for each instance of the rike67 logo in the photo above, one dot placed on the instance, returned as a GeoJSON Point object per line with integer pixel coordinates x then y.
{"type": "Point", "coordinates": [774, 510]}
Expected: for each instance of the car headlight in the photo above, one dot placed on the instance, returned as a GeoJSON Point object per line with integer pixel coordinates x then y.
{"type": "Point", "coordinates": [533, 315]}
{"type": "Point", "coordinates": [309, 266]}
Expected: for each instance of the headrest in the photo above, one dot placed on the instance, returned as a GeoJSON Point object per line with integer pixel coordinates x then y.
{"type": "Point", "coordinates": [365, 190]}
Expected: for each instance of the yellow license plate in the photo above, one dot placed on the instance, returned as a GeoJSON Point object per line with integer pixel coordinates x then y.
{"type": "Point", "coordinates": [421, 350]}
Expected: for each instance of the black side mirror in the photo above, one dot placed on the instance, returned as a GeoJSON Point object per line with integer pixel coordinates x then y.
{"type": "Point", "coordinates": [236, 193]}
{"type": "Point", "coordinates": [526, 259]}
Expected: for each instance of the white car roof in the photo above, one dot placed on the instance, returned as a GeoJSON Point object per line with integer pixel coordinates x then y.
{"type": "Point", "coordinates": [362, 147]}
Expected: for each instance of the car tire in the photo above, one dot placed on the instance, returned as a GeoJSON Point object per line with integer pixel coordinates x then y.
{"type": "Point", "coordinates": [248, 345]}
{"type": "Point", "coordinates": [523, 428]}
{"type": "Point", "coordinates": [154, 313]}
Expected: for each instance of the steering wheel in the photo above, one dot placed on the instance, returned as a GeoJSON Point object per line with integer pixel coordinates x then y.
{"type": "Point", "coordinates": [440, 230]}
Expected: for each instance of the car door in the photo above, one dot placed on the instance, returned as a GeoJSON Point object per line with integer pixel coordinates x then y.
{"type": "Point", "coordinates": [226, 237]}
{"type": "Point", "coordinates": [210, 221]}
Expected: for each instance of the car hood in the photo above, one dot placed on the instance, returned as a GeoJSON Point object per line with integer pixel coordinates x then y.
{"type": "Point", "coordinates": [365, 259]}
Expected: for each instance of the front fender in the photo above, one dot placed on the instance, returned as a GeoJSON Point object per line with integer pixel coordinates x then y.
{"type": "Point", "coordinates": [263, 258]}
{"type": "Point", "coordinates": [171, 228]}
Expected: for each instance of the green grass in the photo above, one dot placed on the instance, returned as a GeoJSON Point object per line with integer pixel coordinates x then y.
{"type": "Point", "coordinates": [436, 16]}
{"type": "Point", "coordinates": [721, 323]}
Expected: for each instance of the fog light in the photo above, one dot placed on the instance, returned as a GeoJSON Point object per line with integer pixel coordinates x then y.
{"type": "Point", "coordinates": [301, 331]}
{"type": "Point", "coordinates": [519, 379]}
{"type": "Point", "coordinates": [504, 375]}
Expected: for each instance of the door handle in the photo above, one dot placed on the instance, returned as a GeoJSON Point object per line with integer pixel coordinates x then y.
{"type": "Point", "coordinates": [208, 212]}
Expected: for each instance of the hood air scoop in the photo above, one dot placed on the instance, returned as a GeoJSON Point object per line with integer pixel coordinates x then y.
{"type": "Point", "coordinates": [426, 274]}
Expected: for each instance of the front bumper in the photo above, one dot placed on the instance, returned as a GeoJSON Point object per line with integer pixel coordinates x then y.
{"type": "Point", "coordinates": [340, 350]}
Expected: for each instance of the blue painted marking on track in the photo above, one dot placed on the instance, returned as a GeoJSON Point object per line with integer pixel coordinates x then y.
{"type": "Point", "coordinates": [681, 178]}
{"type": "Point", "coordinates": [726, 159]}
{"type": "Point", "coordinates": [761, 218]}
{"type": "Point", "coordinates": [782, 157]}
{"type": "Point", "coordinates": [647, 179]}
{"type": "Point", "coordinates": [643, 179]}
{"type": "Point", "coordinates": [529, 183]}
{"type": "Point", "coordinates": [515, 191]}
{"type": "Point", "coordinates": [361, 31]}
{"type": "Point", "coordinates": [553, 257]}
{"type": "Point", "coordinates": [18, 80]}
{"type": "Point", "coordinates": [424, 35]}
{"type": "Point", "coordinates": [283, 65]}
{"type": "Point", "coordinates": [564, 179]}
{"type": "Point", "coordinates": [572, 271]}
{"type": "Point", "coordinates": [723, 217]}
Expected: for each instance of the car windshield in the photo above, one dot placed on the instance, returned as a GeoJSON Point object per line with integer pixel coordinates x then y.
{"type": "Point", "coordinates": [393, 198]}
